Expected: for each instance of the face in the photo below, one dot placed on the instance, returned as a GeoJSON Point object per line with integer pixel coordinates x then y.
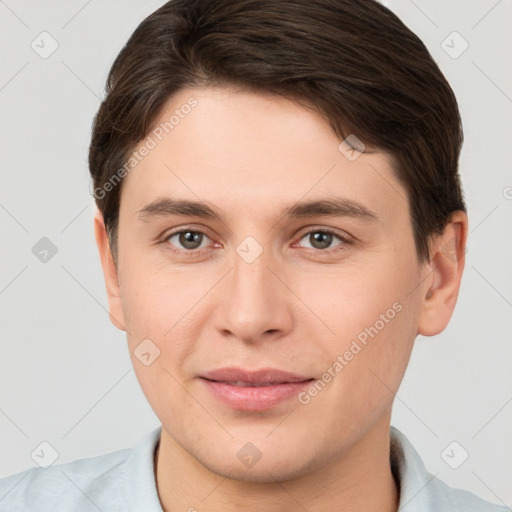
{"type": "Point", "coordinates": [276, 316]}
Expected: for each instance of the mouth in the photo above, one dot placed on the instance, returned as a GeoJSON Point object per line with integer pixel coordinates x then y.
{"type": "Point", "coordinates": [253, 390]}
{"type": "Point", "coordinates": [260, 377]}
{"type": "Point", "coordinates": [243, 384]}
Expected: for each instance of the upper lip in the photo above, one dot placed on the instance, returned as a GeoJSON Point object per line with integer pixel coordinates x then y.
{"type": "Point", "coordinates": [263, 375]}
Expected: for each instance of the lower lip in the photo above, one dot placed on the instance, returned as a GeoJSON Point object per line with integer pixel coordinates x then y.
{"type": "Point", "coordinates": [254, 398]}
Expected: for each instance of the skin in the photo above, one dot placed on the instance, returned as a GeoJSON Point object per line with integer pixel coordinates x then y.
{"type": "Point", "coordinates": [296, 307]}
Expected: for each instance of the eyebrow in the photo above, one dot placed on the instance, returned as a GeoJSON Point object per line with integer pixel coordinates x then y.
{"type": "Point", "coordinates": [334, 207]}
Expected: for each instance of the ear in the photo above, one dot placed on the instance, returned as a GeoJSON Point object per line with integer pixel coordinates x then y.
{"type": "Point", "coordinates": [109, 272]}
{"type": "Point", "coordinates": [444, 273]}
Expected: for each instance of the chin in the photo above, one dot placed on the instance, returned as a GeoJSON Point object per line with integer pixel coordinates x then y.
{"type": "Point", "coordinates": [274, 463]}
{"type": "Point", "coordinates": [268, 472]}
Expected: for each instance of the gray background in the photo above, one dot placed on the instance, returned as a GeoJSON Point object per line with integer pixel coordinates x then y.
{"type": "Point", "coordinates": [65, 374]}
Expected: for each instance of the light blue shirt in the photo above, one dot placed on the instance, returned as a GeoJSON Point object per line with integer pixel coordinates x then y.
{"type": "Point", "coordinates": [124, 481]}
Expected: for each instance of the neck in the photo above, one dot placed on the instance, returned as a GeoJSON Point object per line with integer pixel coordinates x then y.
{"type": "Point", "coordinates": [360, 479]}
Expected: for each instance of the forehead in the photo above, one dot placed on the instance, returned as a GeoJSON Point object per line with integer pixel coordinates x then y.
{"type": "Point", "coordinates": [251, 151]}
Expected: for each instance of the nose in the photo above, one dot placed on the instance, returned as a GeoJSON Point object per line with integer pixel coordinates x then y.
{"type": "Point", "coordinates": [254, 302]}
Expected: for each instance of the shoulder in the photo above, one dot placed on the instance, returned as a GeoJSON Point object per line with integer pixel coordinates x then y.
{"type": "Point", "coordinates": [83, 484]}
{"type": "Point", "coordinates": [451, 499]}
{"type": "Point", "coordinates": [420, 490]}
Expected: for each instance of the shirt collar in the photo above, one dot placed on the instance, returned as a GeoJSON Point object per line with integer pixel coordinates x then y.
{"type": "Point", "coordinates": [417, 486]}
{"type": "Point", "coordinates": [140, 484]}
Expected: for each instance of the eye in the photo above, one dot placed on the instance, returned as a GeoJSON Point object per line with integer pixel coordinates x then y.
{"type": "Point", "coordinates": [188, 239]}
{"type": "Point", "coordinates": [321, 239]}
{"type": "Point", "coordinates": [192, 241]}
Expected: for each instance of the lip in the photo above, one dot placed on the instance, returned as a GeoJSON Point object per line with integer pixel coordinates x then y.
{"type": "Point", "coordinates": [257, 390]}
{"type": "Point", "coordinates": [262, 376]}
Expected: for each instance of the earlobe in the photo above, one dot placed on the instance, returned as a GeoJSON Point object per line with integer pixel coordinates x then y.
{"type": "Point", "coordinates": [443, 276]}
{"type": "Point", "coordinates": [109, 272]}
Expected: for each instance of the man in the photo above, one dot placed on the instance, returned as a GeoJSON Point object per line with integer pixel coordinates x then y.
{"type": "Point", "coordinates": [279, 216]}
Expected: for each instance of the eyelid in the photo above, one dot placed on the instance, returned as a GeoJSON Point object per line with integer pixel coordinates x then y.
{"type": "Point", "coordinates": [174, 231]}
{"type": "Point", "coordinates": [342, 235]}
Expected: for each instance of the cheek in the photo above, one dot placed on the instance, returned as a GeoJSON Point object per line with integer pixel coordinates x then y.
{"type": "Point", "coordinates": [156, 300]}
{"type": "Point", "coordinates": [166, 307]}
{"type": "Point", "coordinates": [353, 297]}
{"type": "Point", "coordinates": [364, 372]}
{"type": "Point", "coordinates": [155, 305]}
{"type": "Point", "coordinates": [386, 342]}
{"type": "Point", "coordinates": [373, 315]}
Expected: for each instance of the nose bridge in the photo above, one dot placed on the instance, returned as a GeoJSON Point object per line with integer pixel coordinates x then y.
{"type": "Point", "coordinates": [250, 272]}
{"type": "Point", "coordinates": [255, 302]}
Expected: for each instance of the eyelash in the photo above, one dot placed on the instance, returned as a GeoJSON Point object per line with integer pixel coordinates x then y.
{"type": "Point", "coordinates": [197, 252]}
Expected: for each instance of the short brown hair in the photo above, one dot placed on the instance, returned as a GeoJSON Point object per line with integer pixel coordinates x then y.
{"type": "Point", "coordinates": [353, 61]}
